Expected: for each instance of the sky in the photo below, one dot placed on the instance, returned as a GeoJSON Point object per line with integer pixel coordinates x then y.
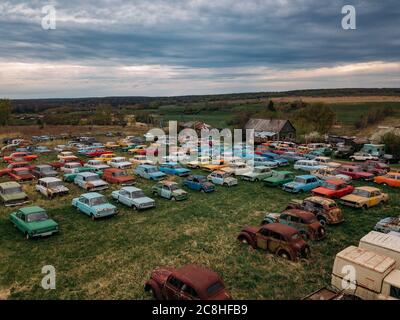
{"type": "Point", "coordinates": [185, 47]}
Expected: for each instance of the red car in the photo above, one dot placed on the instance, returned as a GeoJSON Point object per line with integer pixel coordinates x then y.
{"type": "Point", "coordinates": [14, 165]}
{"type": "Point", "coordinates": [333, 189]}
{"type": "Point", "coordinates": [21, 174]}
{"type": "Point", "coordinates": [355, 172]}
{"type": "Point", "coordinates": [191, 282]}
{"type": "Point", "coordinates": [64, 160]}
{"type": "Point", "coordinates": [20, 156]}
{"type": "Point", "coordinates": [113, 175]}
{"type": "Point", "coordinates": [97, 153]}
{"type": "Point", "coordinates": [375, 167]}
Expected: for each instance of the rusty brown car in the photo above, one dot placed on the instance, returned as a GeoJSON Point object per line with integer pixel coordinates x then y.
{"type": "Point", "coordinates": [191, 282]}
{"type": "Point", "coordinates": [276, 238]}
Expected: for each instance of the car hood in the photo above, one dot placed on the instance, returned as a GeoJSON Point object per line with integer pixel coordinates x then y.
{"type": "Point", "coordinates": [14, 196]}
{"type": "Point", "coordinates": [365, 174]}
{"type": "Point", "coordinates": [323, 190]}
{"type": "Point", "coordinates": [143, 200]}
{"type": "Point", "coordinates": [353, 198]}
{"type": "Point", "coordinates": [97, 183]}
{"type": "Point", "coordinates": [59, 189]}
{"type": "Point", "coordinates": [179, 192]}
{"type": "Point", "coordinates": [105, 206]}
{"type": "Point", "coordinates": [157, 174]}
{"type": "Point", "coordinates": [294, 184]}
{"type": "Point", "coordinates": [207, 185]}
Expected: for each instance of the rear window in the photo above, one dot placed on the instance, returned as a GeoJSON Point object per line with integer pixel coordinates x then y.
{"type": "Point", "coordinates": [214, 288]}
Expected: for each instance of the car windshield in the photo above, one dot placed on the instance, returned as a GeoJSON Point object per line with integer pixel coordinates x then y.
{"type": "Point", "coordinates": [92, 178]}
{"type": "Point", "coordinates": [299, 180]}
{"type": "Point", "coordinates": [54, 184]}
{"type": "Point", "coordinates": [214, 288]}
{"type": "Point", "coordinates": [12, 190]}
{"type": "Point", "coordinates": [361, 193]}
{"type": "Point", "coordinates": [98, 201]}
{"type": "Point", "coordinates": [120, 174]}
{"type": "Point", "coordinates": [37, 216]}
{"type": "Point", "coordinates": [23, 172]}
{"type": "Point", "coordinates": [46, 169]}
{"type": "Point", "coordinates": [201, 179]}
{"type": "Point", "coordinates": [137, 194]}
{"type": "Point", "coordinates": [174, 187]}
{"type": "Point", "coordinates": [330, 186]}
{"type": "Point", "coordinates": [151, 170]}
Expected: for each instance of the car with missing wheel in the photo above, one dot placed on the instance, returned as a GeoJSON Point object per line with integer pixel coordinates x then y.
{"type": "Point", "coordinates": [134, 198]}
{"type": "Point", "coordinates": [51, 187]}
{"type": "Point", "coordinates": [303, 221]}
{"type": "Point", "coordinates": [365, 197]}
{"type": "Point", "coordinates": [11, 194]}
{"type": "Point", "coordinates": [94, 205]}
{"type": "Point", "coordinates": [169, 190]}
{"type": "Point", "coordinates": [34, 222]}
{"type": "Point", "coordinates": [191, 282]}
{"type": "Point", "coordinates": [326, 210]}
{"type": "Point", "coordinates": [276, 238]}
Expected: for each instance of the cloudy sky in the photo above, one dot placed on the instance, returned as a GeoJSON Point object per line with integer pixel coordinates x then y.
{"type": "Point", "coordinates": [180, 47]}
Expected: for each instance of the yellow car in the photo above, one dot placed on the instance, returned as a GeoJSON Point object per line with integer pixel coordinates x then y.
{"type": "Point", "coordinates": [111, 145]}
{"type": "Point", "coordinates": [140, 149]}
{"type": "Point", "coordinates": [106, 157]}
{"type": "Point", "coordinates": [217, 165]}
{"type": "Point", "coordinates": [365, 197]}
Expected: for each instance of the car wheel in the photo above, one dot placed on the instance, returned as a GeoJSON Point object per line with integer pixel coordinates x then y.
{"type": "Point", "coordinates": [173, 199]}
{"type": "Point", "coordinates": [134, 207]}
{"type": "Point", "coordinates": [304, 234]}
{"type": "Point", "coordinates": [364, 207]}
{"type": "Point", "coordinates": [284, 254]}
{"type": "Point", "coordinates": [154, 193]}
{"type": "Point", "coordinates": [244, 240]}
{"type": "Point", "coordinates": [322, 220]}
{"type": "Point", "coordinates": [92, 217]}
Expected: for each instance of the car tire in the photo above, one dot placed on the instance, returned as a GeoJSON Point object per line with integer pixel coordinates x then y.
{"type": "Point", "coordinates": [244, 240]}
{"type": "Point", "coordinates": [134, 207]}
{"type": "Point", "coordinates": [173, 199]}
{"type": "Point", "coordinates": [92, 217]}
{"type": "Point", "coordinates": [364, 207]}
{"type": "Point", "coordinates": [322, 220]}
{"type": "Point", "coordinates": [284, 254]}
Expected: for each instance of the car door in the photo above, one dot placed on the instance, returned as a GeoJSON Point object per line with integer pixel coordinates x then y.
{"type": "Point", "coordinates": [123, 197]}
{"type": "Point", "coordinates": [20, 221]}
{"type": "Point", "coordinates": [273, 241]}
{"type": "Point", "coordinates": [262, 238]}
{"type": "Point", "coordinates": [85, 206]}
{"type": "Point", "coordinates": [172, 288]}
{"type": "Point", "coordinates": [165, 192]}
{"type": "Point", "coordinates": [375, 198]}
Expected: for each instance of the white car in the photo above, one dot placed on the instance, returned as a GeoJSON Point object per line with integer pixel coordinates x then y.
{"type": "Point", "coordinates": [70, 167]}
{"type": "Point", "coordinates": [141, 159]}
{"type": "Point", "coordinates": [326, 161]}
{"type": "Point", "coordinates": [361, 156]}
{"type": "Point", "coordinates": [90, 181]}
{"type": "Point", "coordinates": [176, 157]}
{"type": "Point", "coordinates": [96, 164]}
{"type": "Point", "coordinates": [51, 187]}
{"type": "Point", "coordinates": [197, 163]}
{"type": "Point", "coordinates": [237, 168]}
{"type": "Point", "coordinates": [63, 154]}
{"type": "Point", "coordinates": [133, 198]}
{"type": "Point", "coordinates": [119, 163]}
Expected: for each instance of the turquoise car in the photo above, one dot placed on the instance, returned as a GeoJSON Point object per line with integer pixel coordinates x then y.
{"type": "Point", "coordinates": [95, 205]}
{"type": "Point", "coordinates": [174, 169]}
{"type": "Point", "coordinates": [149, 172]}
{"type": "Point", "coordinates": [302, 183]}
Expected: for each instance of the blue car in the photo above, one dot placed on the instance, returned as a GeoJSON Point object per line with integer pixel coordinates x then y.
{"type": "Point", "coordinates": [174, 169]}
{"type": "Point", "coordinates": [199, 183]}
{"type": "Point", "coordinates": [149, 172]}
{"type": "Point", "coordinates": [95, 205]}
{"type": "Point", "coordinates": [275, 157]}
{"type": "Point", "coordinates": [291, 156]}
{"type": "Point", "coordinates": [302, 183]}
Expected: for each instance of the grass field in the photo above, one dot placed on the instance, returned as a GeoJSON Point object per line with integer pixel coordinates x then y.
{"type": "Point", "coordinates": [112, 258]}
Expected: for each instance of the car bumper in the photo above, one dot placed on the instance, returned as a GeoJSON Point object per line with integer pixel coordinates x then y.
{"type": "Point", "coordinates": [44, 234]}
{"type": "Point", "coordinates": [15, 203]}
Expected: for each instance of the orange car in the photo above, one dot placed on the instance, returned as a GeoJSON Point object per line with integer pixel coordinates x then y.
{"type": "Point", "coordinates": [213, 165]}
{"type": "Point", "coordinates": [391, 179]}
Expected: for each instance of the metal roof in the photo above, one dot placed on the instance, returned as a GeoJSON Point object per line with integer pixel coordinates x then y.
{"type": "Point", "coordinates": [267, 125]}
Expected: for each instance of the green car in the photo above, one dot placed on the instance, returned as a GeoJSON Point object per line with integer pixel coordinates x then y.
{"type": "Point", "coordinates": [279, 178]}
{"type": "Point", "coordinates": [33, 222]}
{"type": "Point", "coordinates": [11, 194]}
{"type": "Point", "coordinates": [70, 177]}
{"type": "Point", "coordinates": [127, 148]}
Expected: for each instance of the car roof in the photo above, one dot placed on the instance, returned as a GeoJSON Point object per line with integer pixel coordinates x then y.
{"type": "Point", "coordinates": [306, 176]}
{"type": "Point", "coordinates": [87, 174]}
{"type": "Point", "coordinates": [369, 189]}
{"type": "Point", "coordinates": [10, 184]}
{"type": "Point", "coordinates": [198, 176]}
{"type": "Point", "coordinates": [300, 213]}
{"type": "Point", "coordinates": [335, 182]}
{"type": "Point", "coordinates": [91, 195]}
{"type": "Point", "coordinates": [168, 183]}
{"type": "Point", "coordinates": [322, 200]}
{"type": "Point", "coordinates": [32, 209]}
{"type": "Point", "coordinates": [280, 228]}
{"type": "Point", "coordinates": [131, 189]}
{"type": "Point", "coordinates": [49, 179]}
{"type": "Point", "coordinates": [198, 277]}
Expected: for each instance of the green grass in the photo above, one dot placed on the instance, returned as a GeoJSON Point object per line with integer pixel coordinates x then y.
{"type": "Point", "coordinates": [112, 258]}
